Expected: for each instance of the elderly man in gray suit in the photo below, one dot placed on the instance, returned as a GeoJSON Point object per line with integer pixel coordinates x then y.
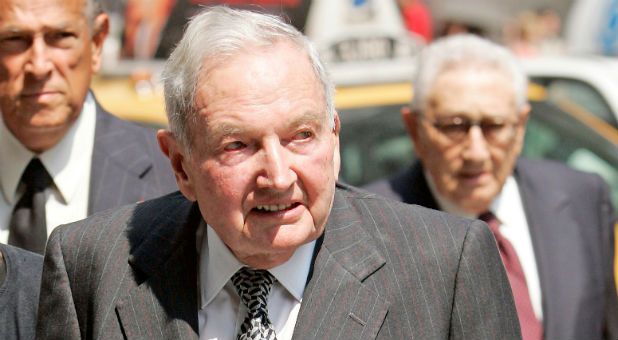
{"type": "Point", "coordinates": [62, 157]}
{"type": "Point", "coordinates": [554, 225]}
{"type": "Point", "coordinates": [261, 242]}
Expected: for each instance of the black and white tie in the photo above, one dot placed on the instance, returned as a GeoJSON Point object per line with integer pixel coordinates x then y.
{"type": "Point", "coordinates": [253, 287]}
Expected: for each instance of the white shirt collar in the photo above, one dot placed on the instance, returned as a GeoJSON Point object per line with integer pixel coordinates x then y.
{"type": "Point", "coordinates": [499, 210]}
{"type": "Point", "coordinates": [218, 264]}
{"type": "Point", "coordinates": [63, 161]}
{"type": "Point", "coordinates": [13, 160]}
{"type": "Point", "coordinates": [502, 205]}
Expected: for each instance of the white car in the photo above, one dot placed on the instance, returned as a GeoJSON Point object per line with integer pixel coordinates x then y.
{"type": "Point", "coordinates": [572, 82]}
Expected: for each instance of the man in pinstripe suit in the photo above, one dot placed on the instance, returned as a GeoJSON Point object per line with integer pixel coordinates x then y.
{"type": "Point", "coordinates": [255, 149]}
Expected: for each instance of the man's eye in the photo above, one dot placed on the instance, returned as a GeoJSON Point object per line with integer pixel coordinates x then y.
{"type": "Point", "coordinates": [234, 146]}
{"type": "Point", "coordinates": [62, 35]}
{"type": "Point", "coordinates": [304, 135]}
{"type": "Point", "coordinates": [63, 39]}
{"type": "Point", "coordinates": [492, 125]}
{"type": "Point", "coordinates": [14, 43]}
{"type": "Point", "coordinates": [13, 38]}
{"type": "Point", "coordinates": [455, 125]}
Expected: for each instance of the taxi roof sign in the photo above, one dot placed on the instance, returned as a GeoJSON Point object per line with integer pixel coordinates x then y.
{"type": "Point", "coordinates": [362, 41]}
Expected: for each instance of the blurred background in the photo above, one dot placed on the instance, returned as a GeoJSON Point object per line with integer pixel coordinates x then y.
{"type": "Point", "coordinates": [149, 28]}
{"type": "Point", "coordinates": [569, 49]}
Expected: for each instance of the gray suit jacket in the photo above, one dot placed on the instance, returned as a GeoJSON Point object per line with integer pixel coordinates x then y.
{"type": "Point", "coordinates": [127, 165]}
{"type": "Point", "coordinates": [571, 222]}
{"type": "Point", "coordinates": [381, 270]}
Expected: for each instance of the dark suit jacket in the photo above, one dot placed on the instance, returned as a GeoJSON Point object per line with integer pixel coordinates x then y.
{"type": "Point", "coordinates": [382, 270]}
{"type": "Point", "coordinates": [127, 165]}
{"type": "Point", "coordinates": [571, 222]}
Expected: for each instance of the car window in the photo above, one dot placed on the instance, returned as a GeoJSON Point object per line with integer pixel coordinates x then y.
{"type": "Point", "coordinates": [374, 143]}
{"type": "Point", "coordinates": [564, 91]}
{"type": "Point", "coordinates": [551, 134]}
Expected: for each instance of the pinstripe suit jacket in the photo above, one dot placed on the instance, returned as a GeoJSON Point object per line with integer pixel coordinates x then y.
{"type": "Point", "coordinates": [383, 270]}
{"type": "Point", "coordinates": [127, 165]}
{"type": "Point", "coordinates": [571, 222]}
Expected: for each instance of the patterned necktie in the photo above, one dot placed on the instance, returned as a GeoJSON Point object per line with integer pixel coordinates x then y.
{"type": "Point", "coordinates": [28, 228]}
{"type": "Point", "coordinates": [253, 287]}
{"type": "Point", "coordinates": [531, 328]}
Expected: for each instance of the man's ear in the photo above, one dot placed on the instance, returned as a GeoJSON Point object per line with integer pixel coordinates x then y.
{"type": "Point", "coordinates": [100, 31]}
{"type": "Point", "coordinates": [337, 124]}
{"type": "Point", "coordinates": [524, 113]}
{"type": "Point", "coordinates": [520, 130]}
{"type": "Point", "coordinates": [410, 121]}
{"type": "Point", "coordinates": [337, 155]}
{"type": "Point", "coordinates": [171, 148]}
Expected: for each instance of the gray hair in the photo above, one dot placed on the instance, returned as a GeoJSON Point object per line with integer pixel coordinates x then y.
{"type": "Point", "coordinates": [218, 33]}
{"type": "Point", "coordinates": [461, 50]}
{"type": "Point", "coordinates": [92, 8]}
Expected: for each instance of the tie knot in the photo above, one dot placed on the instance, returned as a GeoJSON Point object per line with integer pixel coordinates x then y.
{"type": "Point", "coordinates": [491, 220]}
{"type": "Point", "coordinates": [35, 177]}
{"type": "Point", "coordinates": [253, 287]}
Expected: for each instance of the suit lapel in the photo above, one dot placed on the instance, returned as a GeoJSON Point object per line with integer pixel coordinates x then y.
{"type": "Point", "coordinates": [164, 302]}
{"type": "Point", "coordinates": [336, 302]}
{"type": "Point", "coordinates": [417, 190]}
{"type": "Point", "coordinates": [117, 161]}
{"type": "Point", "coordinates": [552, 232]}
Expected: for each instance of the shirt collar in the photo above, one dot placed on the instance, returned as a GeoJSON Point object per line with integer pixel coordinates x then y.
{"type": "Point", "coordinates": [221, 264]}
{"type": "Point", "coordinates": [13, 160]}
{"type": "Point", "coordinates": [63, 162]}
{"type": "Point", "coordinates": [497, 206]}
{"type": "Point", "coordinates": [503, 205]}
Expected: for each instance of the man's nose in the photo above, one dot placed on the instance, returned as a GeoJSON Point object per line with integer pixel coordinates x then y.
{"type": "Point", "coordinates": [277, 171]}
{"type": "Point", "coordinates": [39, 63]}
{"type": "Point", "coordinates": [476, 147]}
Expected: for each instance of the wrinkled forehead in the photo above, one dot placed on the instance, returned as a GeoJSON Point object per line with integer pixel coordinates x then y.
{"type": "Point", "coordinates": [473, 88]}
{"type": "Point", "coordinates": [259, 65]}
{"type": "Point", "coordinates": [41, 14]}
{"type": "Point", "coordinates": [263, 79]}
{"type": "Point", "coordinates": [282, 49]}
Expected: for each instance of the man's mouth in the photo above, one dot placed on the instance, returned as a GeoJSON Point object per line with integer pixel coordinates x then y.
{"type": "Point", "coordinates": [474, 175]}
{"type": "Point", "coordinates": [275, 207]}
{"type": "Point", "coordinates": [40, 94]}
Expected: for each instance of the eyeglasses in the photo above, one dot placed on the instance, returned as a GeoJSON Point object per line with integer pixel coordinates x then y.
{"type": "Point", "coordinates": [496, 130]}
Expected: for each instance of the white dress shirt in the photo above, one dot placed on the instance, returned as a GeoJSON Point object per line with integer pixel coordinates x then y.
{"type": "Point", "coordinates": [222, 312]}
{"type": "Point", "coordinates": [68, 163]}
{"type": "Point", "coordinates": [509, 210]}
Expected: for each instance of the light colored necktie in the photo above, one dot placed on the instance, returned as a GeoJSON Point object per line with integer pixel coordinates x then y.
{"type": "Point", "coordinates": [531, 328]}
{"type": "Point", "coordinates": [253, 287]}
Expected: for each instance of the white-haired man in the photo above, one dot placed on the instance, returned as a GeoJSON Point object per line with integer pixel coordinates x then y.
{"type": "Point", "coordinates": [554, 225]}
{"type": "Point", "coordinates": [261, 242]}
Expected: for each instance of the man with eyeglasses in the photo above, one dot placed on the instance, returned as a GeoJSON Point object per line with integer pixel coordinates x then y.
{"type": "Point", "coordinates": [553, 225]}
